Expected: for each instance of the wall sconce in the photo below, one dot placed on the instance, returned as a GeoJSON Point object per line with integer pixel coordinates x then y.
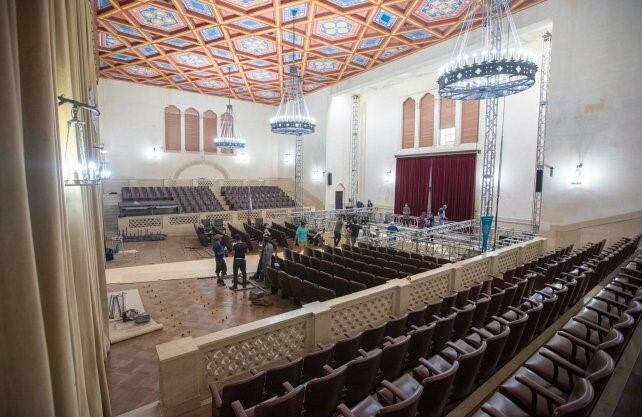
{"type": "Point", "coordinates": [317, 175]}
{"type": "Point", "coordinates": [288, 158]}
{"type": "Point", "coordinates": [387, 176]}
{"type": "Point", "coordinates": [242, 157]}
{"type": "Point", "coordinates": [577, 178]}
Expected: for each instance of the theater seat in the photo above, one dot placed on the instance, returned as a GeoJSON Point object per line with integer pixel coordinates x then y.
{"type": "Point", "coordinates": [369, 407]}
{"type": "Point", "coordinates": [248, 391]}
{"type": "Point", "coordinates": [289, 404]}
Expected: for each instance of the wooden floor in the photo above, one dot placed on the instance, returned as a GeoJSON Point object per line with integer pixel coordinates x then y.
{"type": "Point", "coordinates": [173, 249]}
{"type": "Point", "coordinates": [630, 403]}
{"type": "Point", "coordinates": [185, 308]}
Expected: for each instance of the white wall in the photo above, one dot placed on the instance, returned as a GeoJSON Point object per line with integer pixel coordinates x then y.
{"type": "Point", "coordinates": [132, 124]}
{"type": "Point", "coordinates": [595, 107]}
{"type": "Point", "coordinates": [595, 103]}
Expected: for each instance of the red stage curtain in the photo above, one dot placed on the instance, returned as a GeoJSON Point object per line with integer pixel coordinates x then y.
{"type": "Point", "coordinates": [453, 184]}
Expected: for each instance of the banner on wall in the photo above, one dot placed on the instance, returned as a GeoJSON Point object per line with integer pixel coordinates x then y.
{"type": "Point", "coordinates": [486, 223]}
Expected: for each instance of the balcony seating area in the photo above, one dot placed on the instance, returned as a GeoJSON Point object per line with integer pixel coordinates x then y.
{"type": "Point", "coordinates": [426, 361]}
{"type": "Point", "coordinates": [263, 197]}
{"type": "Point", "coordinates": [189, 199]}
{"type": "Point", "coordinates": [567, 375]}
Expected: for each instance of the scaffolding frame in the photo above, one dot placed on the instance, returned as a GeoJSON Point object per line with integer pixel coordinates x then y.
{"type": "Point", "coordinates": [354, 151]}
{"type": "Point", "coordinates": [547, 43]}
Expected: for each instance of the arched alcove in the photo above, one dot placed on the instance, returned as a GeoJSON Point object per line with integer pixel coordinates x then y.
{"type": "Point", "coordinates": [201, 169]}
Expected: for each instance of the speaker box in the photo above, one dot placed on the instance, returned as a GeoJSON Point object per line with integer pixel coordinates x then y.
{"type": "Point", "coordinates": [329, 178]}
{"type": "Point", "coordinates": [539, 179]}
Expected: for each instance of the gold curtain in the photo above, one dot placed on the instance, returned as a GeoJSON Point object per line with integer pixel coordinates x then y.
{"type": "Point", "coordinates": [53, 315]}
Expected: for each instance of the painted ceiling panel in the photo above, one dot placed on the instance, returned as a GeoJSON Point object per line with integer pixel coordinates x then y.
{"type": "Point", "coordinates": [240, 48]}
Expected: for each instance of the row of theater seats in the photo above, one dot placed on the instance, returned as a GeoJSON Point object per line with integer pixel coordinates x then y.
{"type": "Point", "coordinates": [372, 250]}
{"type": "Point", "coordinates": [189, 199]}
{"type": "Point", "coordinates": [405, 263]}
{"type": "Point", "coordinates": [445, 348]}
{"type": "Point", "coordinates": [263, 197]}
{"type": "Point", "coordinates": [567, 375]}
{"type": "Point", "coordinates": [234, 231]}
{"type": "Point", "coordinates": [288, 232]}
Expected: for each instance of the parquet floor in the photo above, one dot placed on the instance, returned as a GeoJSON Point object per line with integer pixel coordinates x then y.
{"type": "Point", "coordinates": [190, 307]}
{"type": "Point", "coordinates": [172, 249]}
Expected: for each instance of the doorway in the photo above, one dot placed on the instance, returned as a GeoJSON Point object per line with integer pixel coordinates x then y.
{"type": "Point", "coordinates": [338, 200]}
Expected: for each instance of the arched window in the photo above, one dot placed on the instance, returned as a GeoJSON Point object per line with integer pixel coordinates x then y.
{"type": "Point", "coordinates": [469, 121]}
{"type": "Point", "coordinates": [426, 120]}
{"type": "Point", "coordinates": [192, 137]}
{"type": "Point", "coordinates": [209, 131]}
{"type": "Point", "coordinates": [408, 126]}
{"type": "Point", "coordinates": [447, 122]}
{"type": "Point", "coordinates": [172, 128]}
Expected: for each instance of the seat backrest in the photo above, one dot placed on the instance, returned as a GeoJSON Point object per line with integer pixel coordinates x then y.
{"type": "Point", "coordinates": [416, 316]}
{"type": "Point", "coordinates": [462, 297]}
{"type": "Point", "coordinates": [395, 326]}
{"type": "Point", "coordinates": [495, 344]}
{"type": "Point", "coordinates": [324, 294]}
{"type": "Point", "coordinates": [443, 330]}
{"type": "Point", "coordinates": [372, 337]}
{"type": "Point", "coordinates": [517, 327]}
{"type": "Point", "coordinates": [447, 301]}
{"type": "Point", "coordinates": [346, 349]}
{"type": "Point", "coordinates": [277, 375]}
{"type": "Point", "coordinates": [284, 283]}
{"type": "Point", "coordinates": [481, 309]}
{"type": "Point", "coordinates": [322, 394]}
{"type": "Point", "coordinates": [579, 402]}
{"type": "Point", "coordinates": [469, 364]}
{"type": "Point", "coordinates": [309, 291]}
{"type": "Point", "coordinates": [420, 340]}
{"type": "Point", "coordinates": [463, 320]}
{"type": "Point", "coordinates": [313, 362]}
{"type": "Point", "coordinates": [433, 307]}
{"type": "Point", "coordinates": [297, 288]}
{"type": "Point", "coordinates": [361, 376]}
{"type": "Point", "coordinates": [495, 303]}
{"type": "Point", "coordinates": [392, 359]}
{"type": "Point", "coordinates": [439, 387]}
{"type": "Point", "coordinates": [248, 391]}
{"type": "Point", "coordinates": [405, 408]}
{"type": "Point", "coordinates": [287, 405]}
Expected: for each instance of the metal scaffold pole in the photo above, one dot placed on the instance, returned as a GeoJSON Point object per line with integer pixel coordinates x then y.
{"type": "Point", "coordinates": [490, 123]}
{"type": "Point", "coordinates": [354, 151]}
{"type": "Point", "coordinates": [298, 172]}
{"type": "Point", "coordinates": [541, 131]}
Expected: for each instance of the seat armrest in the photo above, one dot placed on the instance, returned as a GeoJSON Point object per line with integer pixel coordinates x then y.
{"type": "Point", "coordinates": [344, 410]}
{"type": "Point", "coordinates": [591, 325]}
{"type": "Point", "coordinates": [414, 327]}
{"type": "Point", "coordinates": [397, 394]}
{"type": "Point", "coordinates": [362, 353]}
{"type": "Point", "coordinates": [612, 302]}
{"type": "Point", "coordinates": [456, 348]}
{"type": "Point", "coordinates": [328, 369]}
{"type": "Point", "coordinates": [216, 396]}
{"type": "Point", "coordinates": [561, 361]}
{"type": "Point", "coordinates": [538, 389]}
{"type": "Point", "coordinates": [390, 339]}
{"type": "Point", "coordinates": [238, 410]}
{"type": "Point", "coordinates": [254, 371]}
{"type": "Point", "coordinates": [287, 386]}
{"type": "Point", "coordinates": [576, 340]}
{"type": "Point", "coordinates": [501, 320]}
{"type": "Point", "coordinates": [428, 366]}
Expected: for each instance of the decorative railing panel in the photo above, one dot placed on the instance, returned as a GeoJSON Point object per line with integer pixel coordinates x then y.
{"type": "Point", "coordinates": [357, 315]}
{"type": "Point", "coordinates": [184, 219]}
{"type": "Point", "coordinates": [144, 222]}
{"type": "Point", "coordinates": [505, 259]}
{"type": "Point", "coordinates": [435, 284]}
{"type": "Point", "coordinates": [473, 270]}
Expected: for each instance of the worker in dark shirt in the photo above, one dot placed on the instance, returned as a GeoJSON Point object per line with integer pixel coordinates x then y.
{"type": "Point", "coordinates": [239, 249]}
{"type": "Point", "coordinates": [354, 232]}
{"type": "Point", "coordinates": [219, 258]}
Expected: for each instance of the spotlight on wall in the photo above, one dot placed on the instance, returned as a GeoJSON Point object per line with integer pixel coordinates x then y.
{"type": "Point", "coordinates": [288, 158]}
{"type": "Point", "coordinates": [577, 178]}
{"type": "Point", "coordinates": [317, 175]}
{"type": "Point", "coordinates": [155, 153]}
{"type": "Point", "coordinates": [387, 176]}
{"type": "Point", "coordinates": [242, 157]}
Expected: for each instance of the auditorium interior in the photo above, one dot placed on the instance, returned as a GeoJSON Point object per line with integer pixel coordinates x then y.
{"type": "Point", "coordinates": [321, 208]}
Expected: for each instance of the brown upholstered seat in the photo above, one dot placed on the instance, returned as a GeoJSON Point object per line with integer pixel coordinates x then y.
{"type": "Point", "coordinates": [289, 404]}
{"type": "Point", "coordinates": [395, 326]}
{"type": "Point", "coordinates": [322, 394]}
{"type": "Point", "coordinates": [436, 388]}
{"type": "Point", "coordinates": [463, 320]}
{"type": "Point", "coordinates": [443, 331]}
{"type": "Point", "coordinates": [248, 391]}
{"type": "Point", "coordinates": [495, 344]}
{"type": "Point", "coordinates": [481, 309]}
{"type": "Point", "coordinates": [314, 361]}
{"type": "Point", "coordinates": [392, 357]}
{"type": "Point", "coordinates": [275, 376]}
{"type": "Point", "coordinates": [372, 336]}
{"type": "Point", "coordinates": [369, 407]}
{"type": "Point", "coordinates": [361, 375]}
{"type": "Point", "coordinates": [346, 349]}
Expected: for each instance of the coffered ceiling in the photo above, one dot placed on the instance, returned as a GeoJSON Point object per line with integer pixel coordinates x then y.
{"type": "Point", "coordinates": [240, 48]}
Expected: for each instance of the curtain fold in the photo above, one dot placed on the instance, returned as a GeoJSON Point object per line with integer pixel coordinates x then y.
{"type": "Point", "coordinates": [53, 316]}
{"type": "Point", "coordinates": [449, 178]}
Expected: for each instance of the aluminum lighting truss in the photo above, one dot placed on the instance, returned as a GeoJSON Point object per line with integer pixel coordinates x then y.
{"type": "Point", "coordinates": [541, 128]}
{"type": "Point", "coordinates": [325, 219]}
{"type": "Point", "coordinates": [298, 172]}
{"type": "Point", "coordinates": [490, 135]}
{"type": "Point", "coordinates": [354, 151]}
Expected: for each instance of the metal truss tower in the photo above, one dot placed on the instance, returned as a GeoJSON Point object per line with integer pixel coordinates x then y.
{"type": "Point", "coordinates": [490, 133]}
{"type": "Point", "coordinates": [298, 171]}
{"type": "Point", "coordinates": [541, 131]}
{"type": "Point", "coordinates": [354, 151]}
